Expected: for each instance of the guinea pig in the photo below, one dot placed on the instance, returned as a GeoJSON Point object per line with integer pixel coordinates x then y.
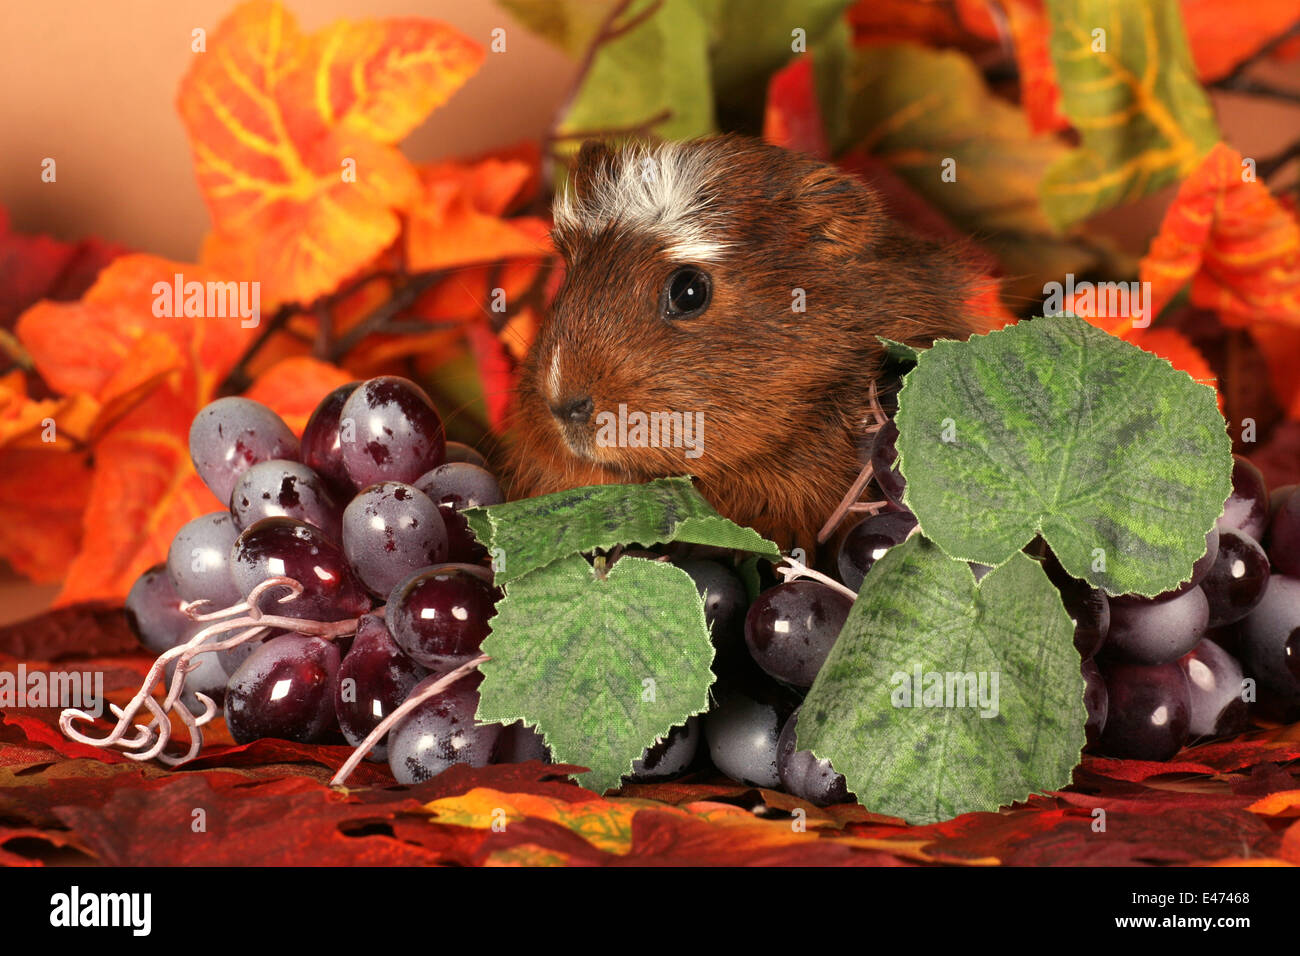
{"type": "Point", "coordinates": [736, 289]}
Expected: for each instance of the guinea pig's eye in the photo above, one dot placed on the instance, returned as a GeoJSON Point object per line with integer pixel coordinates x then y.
{"type": "Point", "coordinates": [686, 294]}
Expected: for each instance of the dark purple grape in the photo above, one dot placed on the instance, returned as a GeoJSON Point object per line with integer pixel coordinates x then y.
{"type": "Point", "coordinates": [198, 562]}
{"type": "Point", "coordinates": [1284, 537]}
{"type": "Point", "coordinates": [1088, 607]}
{"type": "Point", "coordinates": [153, 611]}
{"type": "Point", "coordinates": [232, 434]}
{"type": "Point", "coordinates": [374, 678]}
{"type": "Point", "coordinates": [454, 487]}
{"type": "Point", "coordinates": [390, 531]}
{"type": "Point", "coordinates": [1148, 710]}
{"type": "Point", "coordinates": [804, 775]}
{"type": "Point", "coordinates": [285, 489]}
{"type": "Point", "coordinates": [390, 431]}
{"type": "Point", "coordinates": [743, 727]}
{"type": "Point", "coordinates": [286, 547]}
{"type": "Point", "coordinates": [868, 541]}
{"type": "Point", "coordinates": [884, 462]}
{"type": "Point", "coordinates": [669, 757]}
{"type": "Point", "coordinates": [322, 449]}
{"type": "Point", "coordinates": [284, 689]}
{"type": "Point", "coordinates": [1236, 582]}
{"type": "Point", "coordinates": [1094, 701]}
{"type": "Point", "coordinates": [791, 628]}
{"type": "Point", "coordinates": [458, 451]}
{"type": "Point", "coordinates": [439, 616]}
{"type": "Point", "coordinates": [520, 743]}
{"type": "Point", "coordinates": [1247, 507]}
{"type": "Point", "coordinates": [234, 658]}
{"type": "Point", "coordinates": [1276, 499]}
{"type": "Point", "coordinates": [725, 601]}
{"type": "Point", "coordinates": [441, 732]}
{"type": "Point", "coordinates": [461, 485]}
{"type": "Point", "coordinates": [1214, 683]}
{"type": "Point", "coordinates": [1268, 640]}
{"type": "Point", "coordinates": [1157, 630]}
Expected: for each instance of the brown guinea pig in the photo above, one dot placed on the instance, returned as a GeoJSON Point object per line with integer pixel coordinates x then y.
{"type": "Point", "coordinates": [736, 289]}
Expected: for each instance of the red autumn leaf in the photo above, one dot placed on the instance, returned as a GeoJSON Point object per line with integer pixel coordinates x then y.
{"type": "Point", "coordinates": [293, 137]}
{"type": "Point", "coordinates": [792, 117]}
{"type": "Point", "coordinates": [1237, 245]}
{"type": "Point", "coordinates": [496, 371]}
{"type": "Point", "coordinates": [965, 24]}
{"type": "Point", "coordinates": [38, 267]}
{"type": "Point", "coordinates": [294, 387]}
{"type": "Point", "coordinates": [87, 630]}
{"type": "Point", "coordinates": [1280, 346]}
{"type": "Point", "coordinates": [41, 542]}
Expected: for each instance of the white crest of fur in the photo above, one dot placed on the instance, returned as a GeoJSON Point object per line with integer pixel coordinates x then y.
{"type": "Point", "coordinates": [656, 188]}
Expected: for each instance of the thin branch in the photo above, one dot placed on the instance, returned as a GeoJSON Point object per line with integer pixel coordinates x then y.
{"type": "Point", "coordinates": [1269, 165]}
{"type": "Point", "coordinates": [403, 298]}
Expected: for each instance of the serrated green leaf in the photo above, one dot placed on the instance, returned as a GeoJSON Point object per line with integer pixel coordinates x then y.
{"type": "Point", "coordinates": [916, 108]}
{"type": "Point", "coordinates": [1143, 118]}
{"type": "Point", "coordinates": [899, 351]}
{"type": "Point", "coordinates": [602, 666]}
{"type": "Point", "coordinates": [921, 612]}
{"type": "Point", "coordinates": [1053, 427]}
{"type": "Point", "coordinates": [533, 532]}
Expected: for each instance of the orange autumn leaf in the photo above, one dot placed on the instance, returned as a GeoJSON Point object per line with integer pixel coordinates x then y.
{"type": "Point", "coordinates": [144, 489]}
{"type": "Point", "coordinates": [29, 423]}
{"type": "Point", "coordinates": [1039, 93]}
{"type": "Point", "coordinates": [293, 137]}
{"type": "Point", "coordinates": [1220, 41]}
{"type": "Point", "coordinates": [94, 345]}
{"type": "Point", "coordinates": [43, 493]}
{"type": "Point", "coordinates": [294, 387]}
{"type": "Point", "coordinates": [458, 217]}
{"type": "Point", "coordinates": [1239, 247]}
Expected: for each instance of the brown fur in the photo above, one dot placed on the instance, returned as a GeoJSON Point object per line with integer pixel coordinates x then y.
{"type": "Point", "coordinates": [784, 394]}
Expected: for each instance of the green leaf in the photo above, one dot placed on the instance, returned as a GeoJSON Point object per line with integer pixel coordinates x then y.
{"type": "Point", "coordinates": [533, 532]}
{"type": "Point", "coordinates": [602, 666]}
{"type": "Point", "coordinates": [900, 351]}
{"type": "Point", "coordinates": [1143, 118]}
{"type": "Point", "coordinates": [652, 77]}
{"type": "Point", "coordinates": [1053, 427]}
{"type": "Point", "coordinates": [920, 612]}
{"type": "Point", "coordinates": [571, 25]}
{"type": "Point", "coordinates": [913, 108]}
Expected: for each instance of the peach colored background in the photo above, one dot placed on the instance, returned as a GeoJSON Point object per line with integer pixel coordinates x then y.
{"type": "Point", "coordinates": [92, 83]}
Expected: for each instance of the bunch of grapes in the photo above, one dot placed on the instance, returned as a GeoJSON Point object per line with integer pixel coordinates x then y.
{"type": "Point", "coordinates": [350, 546]}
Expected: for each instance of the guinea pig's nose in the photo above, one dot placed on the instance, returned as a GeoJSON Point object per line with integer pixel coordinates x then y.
{"type": "Point", "coordinates": [575, 411]}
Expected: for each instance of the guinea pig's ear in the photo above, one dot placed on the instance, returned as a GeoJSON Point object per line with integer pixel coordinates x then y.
{"type": "Point", "coordinates": [596, 161]}
{"type": "Point", "coordinates": [841, 214]}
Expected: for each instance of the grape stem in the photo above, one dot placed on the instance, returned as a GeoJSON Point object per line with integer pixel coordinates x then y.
{"type": "Point", "coordinates": [151, 739]}
{"type": "Point", "coordinates": [790, 569]}
{"type": "Point", "coordinates": [408, 705]}
{"type": "Point", "coordinates": [850, 500]}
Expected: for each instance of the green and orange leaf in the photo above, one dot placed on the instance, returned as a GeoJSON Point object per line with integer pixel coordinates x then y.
{"type": "Point", "coordinates": [1129, 87]}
